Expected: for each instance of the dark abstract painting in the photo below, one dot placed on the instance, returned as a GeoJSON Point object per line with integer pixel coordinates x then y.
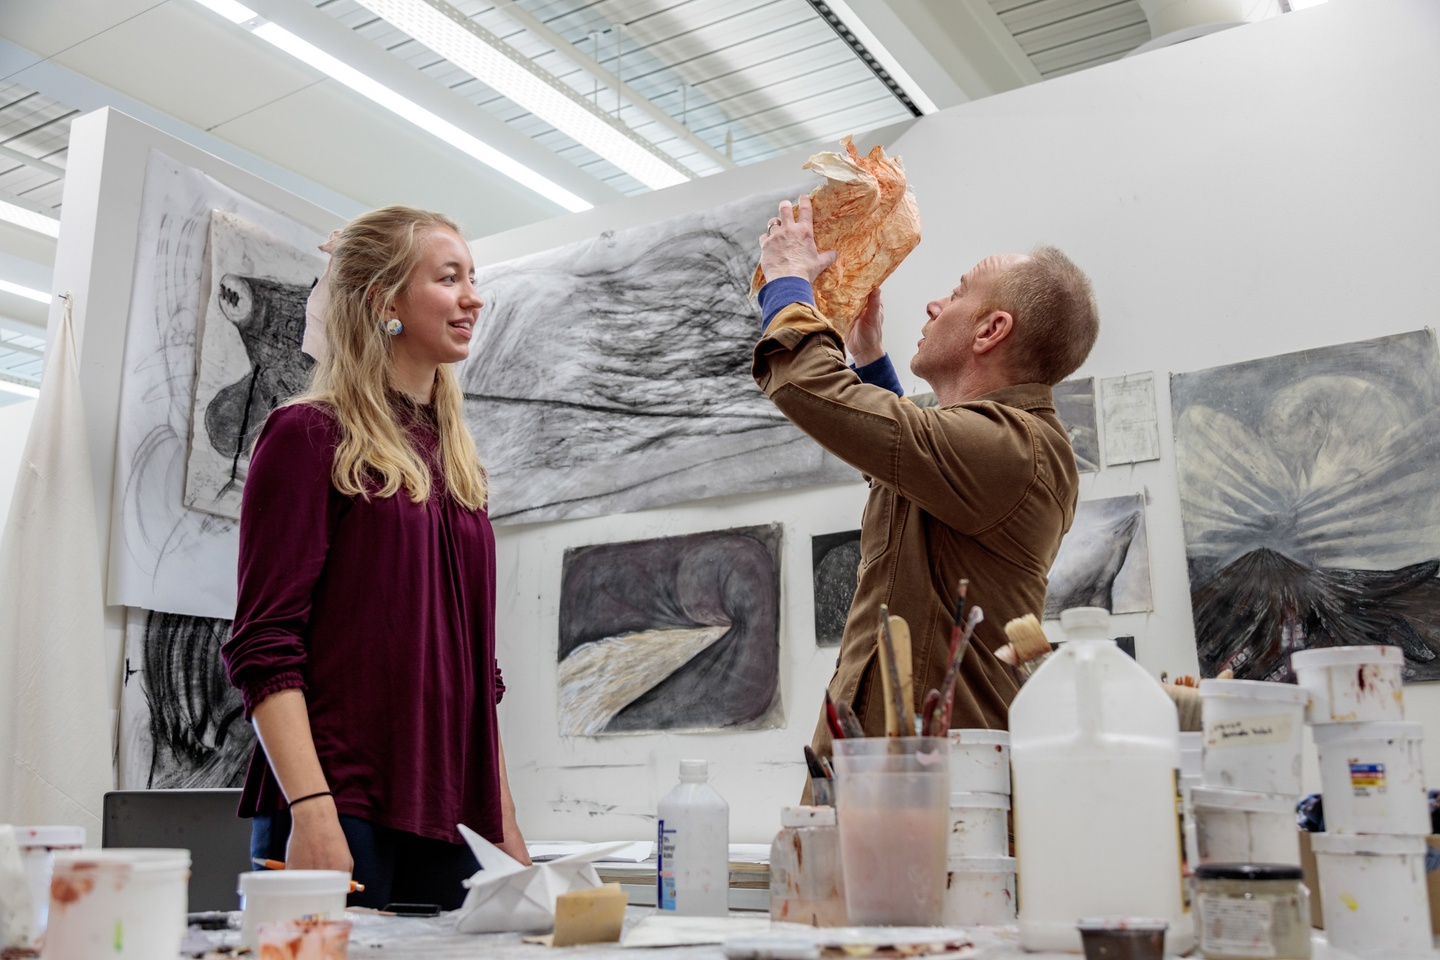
{"type": "Point", "coordinates": [614, 374]}
{"type": "Point", "coordinates": [1075, 406]}
{"type": "Point", "coordinates": [1310, 495]}
{"type": "Point", "coordinates": [1104, 560]}
{"type": "Point", "coordinates": [836, 560]}
{"type": "Point", "coordinates": [676, 633]}
{"type": "Point", "coordinates": [182, 723]}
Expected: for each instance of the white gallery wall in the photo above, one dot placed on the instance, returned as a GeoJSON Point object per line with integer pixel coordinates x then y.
{"type": "Point", "coordinates": [14, 428]}
{"type": "Point", "coordinates": [1255, 192]}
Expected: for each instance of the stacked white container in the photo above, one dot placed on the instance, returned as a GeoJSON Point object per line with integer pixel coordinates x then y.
{"type": "Point", "coordinates": [980, 873]}
{"type": "Point", "coordinates": [1371, 859]}
{"type": "Point", "coordinates": [1243, 809]}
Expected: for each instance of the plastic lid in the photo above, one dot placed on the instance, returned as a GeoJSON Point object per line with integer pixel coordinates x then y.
{"type": "Point", "coordinates": [1139, 924]}
{"type": "Point", "coordinates": [1367, 730]}
{"type": "Point", "coordinates": [694, 769]}
{"type": "Point", "coordinates": [1221, 798]}
{"type": "Point", "coordinates": [1370, 844]}
{"type": "Point", "coordinates": [1254, 690]}
{"type": "Point", "coordinates": [981, 865]}
{"type": "Point", "coordinates": [1085, 618]}
{"type": "Point", "coordinates": [52, 836]}
{"type": "Point", "coordinates": [1330, 656]}
{"type": "Point", "coordinates": [142, 859]}
{"type": "Point", "coordinates": [995, 801]}
{"type": "Point", "coordinates": [1249, 871]}
{"type": "Point", "coordinates": [294, 882]}
{"type": "Point", "coordinates": [807, 816]}
{"type": "Point", "coordinates": [980, 735]}
{"type": "Point", "coordinates": [1191, 740]}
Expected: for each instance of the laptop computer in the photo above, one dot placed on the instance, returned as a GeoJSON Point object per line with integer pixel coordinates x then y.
{"type": "Point", "coordinates": [201, 821]}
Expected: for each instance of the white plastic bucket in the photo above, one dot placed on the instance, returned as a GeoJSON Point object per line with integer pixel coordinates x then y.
{"type": "Point", "coordinates": [270, 896]}
{"type": "Point", "coordinates": [1371, 777]}
{"type": "Point", "coordinates": [1235, 826]}
{"type": "Point", "coordinates": [120, 903]}
{"type": "Point", "coordinates": [978, 825]}
{"type": "Point", "coordinates": [980, 761]}
{"type": "Point", "coordinates": [38, 846]}
{"type": "Point", "coordinates": [980, 891]}
{"type": "Point", "coordinates": [1351, 683]}
{"type": "Point", "coordinates": [1190, 752]}
{"type": "Point", "coordinates": [1252, 733]}
{"type": "Point", "coordinates": [1373, 893]}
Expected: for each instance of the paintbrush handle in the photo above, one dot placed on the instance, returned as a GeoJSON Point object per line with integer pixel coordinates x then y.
{"type": "Point", "coordinates": [848, 721]}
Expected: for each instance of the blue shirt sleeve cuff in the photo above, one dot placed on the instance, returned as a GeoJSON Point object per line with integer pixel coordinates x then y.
{"type": "Point", "coordinates": [880, 373]}
{"type": "Point", "coordinates": [780, 293]}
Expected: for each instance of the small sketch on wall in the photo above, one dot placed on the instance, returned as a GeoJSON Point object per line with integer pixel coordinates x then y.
{"type": "Point", "coordinates": [1104, 561]}
{"type": "Point", "coordinates": [182, 724]}
{"type": "Point", "coordinates": [1075, 407]}
{"type": "Point", "coordinates": [614, 374]}
{"type": "Point", "coordinates": [671, 634]}
{"type": "Point", "coordinates": [836, 560]}
{"type": "Point", "coordinates": [1132, 432]}
{"type": "Point", "coordinates": [1310, 497]}
{"type": "Point", "coordinates": [252, 324]}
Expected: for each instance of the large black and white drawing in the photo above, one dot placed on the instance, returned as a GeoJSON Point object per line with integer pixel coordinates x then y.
{"type": "Point", "coordinates": [1310, 495]}
{"type": "Point", "coordinates": [182, 724]}
{"type": "Point", "coordinates": [1075, 407]}
{"type": "Point", "coordinates": [614, 374]}
{"type": "Point", "coordinates": [1104, 561]}
{"type": "Point", "coordinates": [836, 561]}
{"type": "Point", "coordinates": [250, 359]}
{"type": "Point", "coordinates": [676, 633]}
{"type": "Point", "coordinates": [164, 555]}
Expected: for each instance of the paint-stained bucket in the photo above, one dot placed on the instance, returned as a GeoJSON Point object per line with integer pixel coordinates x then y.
{"type": "Point", "coordinates": [1373, 888]}
{"type": "Point", "coordinates": [978, 825]}
{"type": "Point", "coordinates": [38, 847]}
{"type": "Point", "coordinates": [1252, 735]}
{"type": "Point", "coordinates": [1238, 826]}
{"type": "Point", "coordinates": [1191, 752]}
{"type": "Point", "coordinates": [275, 896]}
{"type": "Point", "coordinates": [1351, 683]}
{"type": "Point", "coordinates": [118, 903]}
{"type": "Point", "coordinates": [1371, 777]}
{"type": "Point", "coordinates": [980, 761]}
{"type": "Point", "coordinates": [980, 891]}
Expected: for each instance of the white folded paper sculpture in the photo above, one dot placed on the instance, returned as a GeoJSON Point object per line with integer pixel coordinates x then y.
{"type": "Point", "coordinates": [506, 897]}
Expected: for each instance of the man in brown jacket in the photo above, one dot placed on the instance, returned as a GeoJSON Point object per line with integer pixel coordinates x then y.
{"type": "Point", "coordinates": [981, 487]}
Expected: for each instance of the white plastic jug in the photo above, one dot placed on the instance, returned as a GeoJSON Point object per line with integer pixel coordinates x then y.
{"type": "Point", "coordinates": [693, 846]}
{"type": "Point", "coordinates": [1095, 757]}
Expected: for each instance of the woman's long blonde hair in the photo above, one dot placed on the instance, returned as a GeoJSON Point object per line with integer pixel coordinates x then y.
{"type": "Point", "coordinates": [369, 267]}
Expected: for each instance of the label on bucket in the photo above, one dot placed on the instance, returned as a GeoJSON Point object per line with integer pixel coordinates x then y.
{"type": "Point", "coordinates": [1249, 731]}
{"type": "Point", "coordinates": [1235, 927]}
{"type": "Point", "coordinates": [1367, 779]}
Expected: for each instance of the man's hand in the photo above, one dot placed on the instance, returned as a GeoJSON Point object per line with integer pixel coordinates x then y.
{"type": "Point", "coordinates": [865, 340]}
{"type": "Point", "coordinates": [788, 247]}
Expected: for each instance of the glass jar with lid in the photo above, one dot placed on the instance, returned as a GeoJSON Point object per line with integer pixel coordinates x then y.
{"type": "Point", "coordinates": [1252, 911]}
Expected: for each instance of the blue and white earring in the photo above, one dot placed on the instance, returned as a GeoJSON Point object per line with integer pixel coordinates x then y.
{"type": "Point", "coordinates": [393, 326]}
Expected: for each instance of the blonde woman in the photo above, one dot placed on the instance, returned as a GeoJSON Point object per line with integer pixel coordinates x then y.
{"type": "Point", "coordinates": [364, 640]}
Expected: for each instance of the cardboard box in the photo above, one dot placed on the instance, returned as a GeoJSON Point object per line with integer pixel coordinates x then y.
{"type": "Point", "coordinates": [1312, 881]}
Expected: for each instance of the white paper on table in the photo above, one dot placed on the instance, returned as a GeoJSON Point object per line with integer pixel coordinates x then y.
{"type": "Point", "coordinates": [507, 897]}
{"type": "Point", "coordinates": [636, 851]}
{"type": "Point", "coordinates": [668, 930]}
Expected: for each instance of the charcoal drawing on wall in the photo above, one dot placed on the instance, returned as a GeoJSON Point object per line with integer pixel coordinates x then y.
{"type": "Point", "coordinates": [676, 633]}
{"type": "Point", "coordinates": [614, 374]}
{"type": "Point", "coordinates": [1075, 406]}
{"type": "Point", "coordinates": [836, 561]}
{"type": "Point", "coordinates": [182, 723]}
{"type": "Point", "coordinates": [252, 324]}
{"type": "Point", "coordinates": [1310, 495]}
{"type": "Point", "coordinates": [1104, 560]}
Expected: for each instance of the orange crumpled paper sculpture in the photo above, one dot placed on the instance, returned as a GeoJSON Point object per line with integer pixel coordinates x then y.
{"type": "Point", "coordinates": [864, 210]}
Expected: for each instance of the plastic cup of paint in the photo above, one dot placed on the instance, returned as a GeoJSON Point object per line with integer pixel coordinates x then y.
{"type": "Point", "coordinates": [1351, 683]}
{"type": "Point", "coordinates": [1253, 734]}
{"type": "Point", "coordinates": [979, 761]}
{"type": "Point", "coordinates": [1371, 777]}
{"type": "Point", "coordinates": [892, 808]}
{"type": "Point", "coordinates": [980, 891]}
{"type": "Point", "coordinates": [1123, 938]}
{"type": "Point", "coordinates": [309, 938]}
{"type": "Point", "coordinates": [1374, 895]}
{"type": "Point", "coordinates": [276, 896]}
{"type": "Point", "coordinates": [126, 904]}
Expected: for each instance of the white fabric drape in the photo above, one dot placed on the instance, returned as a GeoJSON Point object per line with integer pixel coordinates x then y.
{"type": "Point", "coordinates": [55, 716]}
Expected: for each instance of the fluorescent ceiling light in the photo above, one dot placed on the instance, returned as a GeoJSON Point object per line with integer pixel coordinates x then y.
{"type": "Point", "coordinates": [401, 106]}
{"type": "Point", "coordinates": [1302, 4]}
{"type": "Point", "coordinates": [230, 10]}
{"type": "Point", "coordinates": [29, 293]}
{"type": "Point", "coordinates": [499, 66]}
{"type": "Point", "coordinates": [886, 59]}
{"type": "Point", "coordinates": [19, 388]}
{"type": "Point", "coordinates": [29, 219]}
